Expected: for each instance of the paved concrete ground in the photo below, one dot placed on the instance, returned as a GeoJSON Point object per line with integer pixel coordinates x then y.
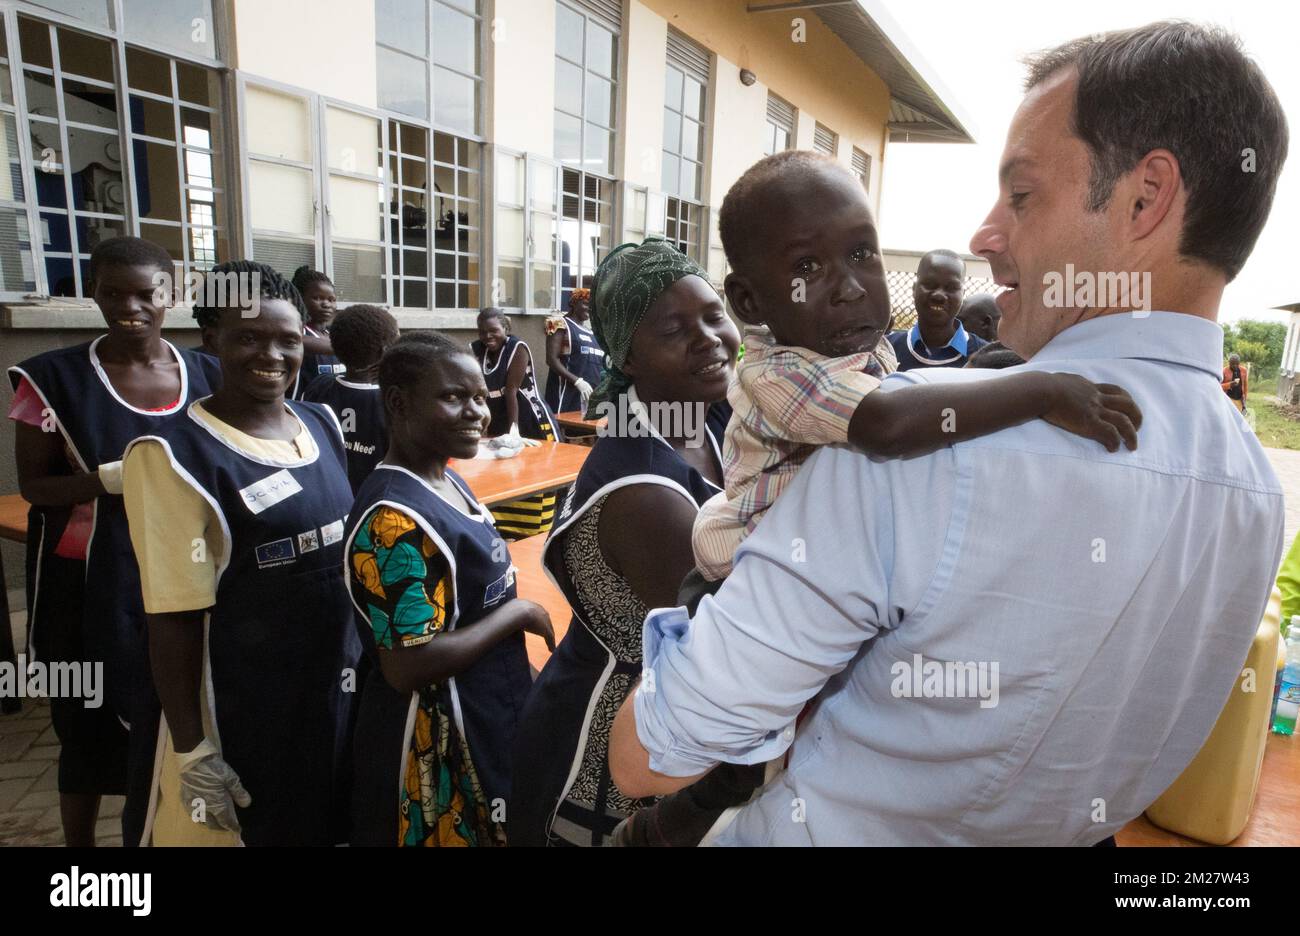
{"type": "Point", "coordinates": [29, 751]}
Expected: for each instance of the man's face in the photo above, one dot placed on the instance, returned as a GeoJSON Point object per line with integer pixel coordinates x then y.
{"type": "Point", "coordinates": [980, 316]}
{"type": "Point", "coordinates": [1041, 222]}
{"type": "Point", "coordinates": [937, 291]}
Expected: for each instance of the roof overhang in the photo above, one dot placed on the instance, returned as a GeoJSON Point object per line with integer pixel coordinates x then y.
{"type": "Point", "coordinates": [921, 109]}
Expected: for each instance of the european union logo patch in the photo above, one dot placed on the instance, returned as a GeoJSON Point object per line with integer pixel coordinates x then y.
{"type": "Point", "coordinates": [498, 589]}
{"type": "Point", "coordinates": [276, 553]}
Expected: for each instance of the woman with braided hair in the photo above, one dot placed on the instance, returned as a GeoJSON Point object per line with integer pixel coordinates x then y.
{"type": "Point", "coordinates": [237, 518]}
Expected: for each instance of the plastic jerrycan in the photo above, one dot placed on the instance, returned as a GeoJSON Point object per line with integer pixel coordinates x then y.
{"type": "Point", "coordinates": [1211, 800]}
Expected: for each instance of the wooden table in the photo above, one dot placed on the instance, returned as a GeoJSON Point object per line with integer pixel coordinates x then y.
{"type": "Point", "coordinates": [13, 526]}
{"type": "Point", "coordinates": [535, 469]}
{"type": "Point", "coordinates": [535, 585]}
{"type": "Point", "coordinates": [578, 428]}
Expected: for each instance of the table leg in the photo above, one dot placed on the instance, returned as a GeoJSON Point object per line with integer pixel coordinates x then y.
{"type": "Point", "coordinates": [7, 654]}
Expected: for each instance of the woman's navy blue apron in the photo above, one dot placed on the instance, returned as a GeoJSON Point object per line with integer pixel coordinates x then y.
{"type": "Point", "coordinates": [360, 411]}
{"type": "Point", "coordinates": [97, 426]}
{"type": "Point", "coordinates": [535, 419]}
{"type": "Point", "coordinates": [559, 713]}
{"type": "Point", "coordinates": [486, 698]}
{"type": "Point", "coordinates": [586, 359]}
{"type": "Point", "coordinates": [280, 648]}
{"type": "Point", "coordinates": [315, 365]}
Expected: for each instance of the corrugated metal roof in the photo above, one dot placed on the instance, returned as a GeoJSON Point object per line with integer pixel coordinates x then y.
{"type": "Point", "coordinates": [920, 107]}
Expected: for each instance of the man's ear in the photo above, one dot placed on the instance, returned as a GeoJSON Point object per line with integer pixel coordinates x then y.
{"type": "Point", "coordinates": [1157, 181]}
{"type": "Point", "coordinates": [394, 401]}
{"type": "Point", "coordinates": [741, 298]}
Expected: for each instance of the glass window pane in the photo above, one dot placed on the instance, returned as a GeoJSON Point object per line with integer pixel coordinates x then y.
{"type": "Point", "coordinates": [148, 72]}
{"type": "Point", "coordinates": [352, 141]}
{"type": "Point", "coordinates": [6, 86]}
{"type": "Point", "coordinates": [568, 139]}
{"type": "Point", "coordinates": [655, 213]}
{"type": "Point", "coordinates": [509, 288]}
{"type": "Point", "coordinates": [414, 141]}
{"type": "Point", "coordinates": [510, 232]}
{"type": "Point", "coordinates": [543, 235]}
{"type": "Point", "coordinates": [568, 33]}
{"type": "Point", "coordinates": [11, 170]}
{"type": "Point", "coordinates": [157, 181]}
{"type": "Point", "coordinates": [600, 100]}
{"type": "Point", "coordinates": [542, 286]}
{"type": "Point", "coordinates": [183, 25]}
{"type": "Point", "coordinates": [454, 100]}
{"type": "Point", "coordinates": [278, 125]}
{"type": "Point", "coordinates": [196, 128]}
{"type": "Point", "coordinates": [283, 254]}
{"type": "Point", "coordinates": [198, 85]}
{"type": "Point", "coordinates": [455, 40]}
{"type": "Point", "coordinates": [401, 24]}
{"type": "Point", "coordinates": [673, 88]}
{"type": "Point", "coordinates": [51, 191]}
{"type": "Point", "coordinates": [91, 231]}
{"type": "Point", "coordinates": [41, 99]}
{"type": "Point", "coordinates": [602, 49]}
{"type": "Point", "coordinates": [356, 208]}
{"type": "Point", "coordinates": [672, 132]}
{"type": "Point", "coordinates": [568, 87]}
{"type": "Point", "coordinates": [690, 185]}
{"type": "Point", "coordinates": [444, 266]}
{"type": "Point", "coordinates": [199, 170]}
{"type": "Point", "coordinates": [281, 198]}
{"type": "Point", "coordinates": [92, 11]}
{"type": "Point", "coordinates": [403, 83]}
{"type": "Point", "coordinates": [467, 295]}
{"type": "Point", "coordinates": [34, 39]}
{"type": "Point", "coordinates": [95, 161]}
{"type": "Point", "coordinates": [84, 55]}
{"type": "Point", "coordinates": [599, 146]}
{"type": "Point", "coordinates": [56, 236]}
{"type": "Point", "coordinates": [415, 263]}
{"type": "Point", "coordinates": [358, 273]}
{"type": "Point", "coordinates": [17, 264]}
{"type": "Point", "coordinates": [694, 99]}
{"type": "Point", "coordinates": [670, 173]}
{"type": "Point", "coordinates": [510, 179]}
{"type": "Point", "coordinates": [542, 194]}
{"type": "Point", "coordinates": [445, 293]}
{"type": "Point", "coordinates": [152, 118]}
{"type": "Point", "coordinates": [691, 132]}
{"type": "Point", "coordinates": [415, 294]}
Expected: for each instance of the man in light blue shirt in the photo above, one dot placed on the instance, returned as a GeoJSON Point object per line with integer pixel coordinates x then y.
{"type": "Point", "coordinates": [1042, 658]}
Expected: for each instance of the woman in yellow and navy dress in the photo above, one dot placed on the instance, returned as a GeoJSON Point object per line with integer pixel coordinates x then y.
{"type": "Point", "coordinates": [438, 616]}
{"type": "Point", "coordinates": [517, 409]}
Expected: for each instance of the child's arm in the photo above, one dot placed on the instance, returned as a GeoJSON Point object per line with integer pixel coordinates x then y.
{"type": "Point", "coordinates": [924, 418]}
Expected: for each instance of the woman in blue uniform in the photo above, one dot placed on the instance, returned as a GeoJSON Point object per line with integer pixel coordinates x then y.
{"type": "Point", "coordinates": [237, 518]}
{"type": "Point", "coordinates": [76, 409]}
{"type": "Point", "coordinates": [517, 409]}
{"type": "Point", "coordinates": [576, 360]}
{"type": "Point", "coordinates": [359, 336]}
{"type": "Point", "coordinates": [318, 356]}
{"type": "Point", "coordinates": [434, 591]}
{"type": "Point", "coordinates": [622, 541]}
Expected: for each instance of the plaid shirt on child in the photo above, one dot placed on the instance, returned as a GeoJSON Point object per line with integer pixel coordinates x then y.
{"type": "Point", "coordinates": [786, 402]}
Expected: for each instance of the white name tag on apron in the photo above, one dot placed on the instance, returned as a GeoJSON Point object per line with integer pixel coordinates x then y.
{"type": "Point", "coordinates": [270, 491]}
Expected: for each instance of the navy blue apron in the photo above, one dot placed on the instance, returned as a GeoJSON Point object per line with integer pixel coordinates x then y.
{"type": "Point", "coordinates": [486, 698]}
{"type": "Point", "coordinates": [315, 365]}
{"type": "Point", "coordinates": [559, 714]}
{"type": "Point", "coordinates": [360, 411]}
{"type": "Point", "coordinates": [535, 419]}
{"type": "Point", "coordinates": [586, 359]}
{"type": "Point", "coordinates": [280, 644]}
{"type": "Point", "coordinates": [97, 426]}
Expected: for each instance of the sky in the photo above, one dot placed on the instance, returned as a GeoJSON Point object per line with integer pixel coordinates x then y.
{"type": "Point", "coordinates": [936, 194]}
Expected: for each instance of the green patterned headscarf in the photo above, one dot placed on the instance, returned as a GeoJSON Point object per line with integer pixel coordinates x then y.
{"type": "Point", "coordinates": [627, 283]}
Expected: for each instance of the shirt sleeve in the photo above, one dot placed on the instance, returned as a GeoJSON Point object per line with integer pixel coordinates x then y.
{"type": "Point", "coordinates": [174, 533]}
{"type": "Point", "coordinates": [810, 586]}
{"type": "Point", "coordinates": [1288, 581]}
{"type": "Point", "coordinates": [809, 401]}
{"type": "Point", "coordinates": [27, 407]}
{"type": "Point", "coordinates": [406, 580]}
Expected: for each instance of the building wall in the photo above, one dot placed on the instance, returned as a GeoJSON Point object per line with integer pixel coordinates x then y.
{"type": "Point", "coordinates": [521, 66]}
{"type": "Point", "coordinates": [642, 131]}
{"type": "Point", "coordinates": [327, 46]}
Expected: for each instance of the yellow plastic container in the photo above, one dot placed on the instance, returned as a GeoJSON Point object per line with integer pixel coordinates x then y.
{"type": "Point", "coordinates": [1211, 800]}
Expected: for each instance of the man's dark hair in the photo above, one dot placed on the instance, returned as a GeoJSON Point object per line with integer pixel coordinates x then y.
{"type": "Point", "coordinates": [217, 287]}
{"type": "Point", "coordinates": [947, 254]}
{"type": "Point", "coordinates": [1191, 90]}
{"type": "Point", "coordinates": [129, 251]}
{"type": "Point", "coordinates": [411, 356]}
{"type": "Point", "coordinates": [735, 217]}
{"type": "Point", "coordinates": [492, 312]}
{"type": "Point", "coordinates": [360, 334]}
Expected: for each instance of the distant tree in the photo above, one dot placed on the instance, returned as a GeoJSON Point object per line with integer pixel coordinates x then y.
{"type": "Point", "coordinates": [1259, 343]}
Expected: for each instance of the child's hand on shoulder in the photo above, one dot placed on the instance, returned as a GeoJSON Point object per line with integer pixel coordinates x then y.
{"type": "Point", "coordinates": [1104, 413]}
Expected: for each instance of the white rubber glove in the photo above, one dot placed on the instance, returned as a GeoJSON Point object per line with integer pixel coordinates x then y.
{"type": "Point", "coordinates": [523, 443]}
{"type": "Point", "coordinates": [584, 389]}
{"type": "Point", "coordinates": [110, 475]}
{"type": "Point", "coordinates": [205, 776]}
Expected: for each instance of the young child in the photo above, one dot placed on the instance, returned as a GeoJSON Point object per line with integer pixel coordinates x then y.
{"type": "Point", "coordinates": [359, 335]}
{"type": "Point", "coordinates": [575, 358]}
{"type": "Point", "coordinates": [938, 339]}
{"type": "Point", "coordinates": [318, 353]}
{"type": "Point", "coordinates": [808, 282]}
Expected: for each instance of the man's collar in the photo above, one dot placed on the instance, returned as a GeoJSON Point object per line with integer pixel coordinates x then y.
{"type": "Point", "coordinates": [958, 342]}
{"type": "Point", "coordinates": [1157, 336]}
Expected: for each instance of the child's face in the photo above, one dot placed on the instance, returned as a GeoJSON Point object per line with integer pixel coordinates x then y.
{"type": "Point", "coordinates": [937, 291]}
{"type": "Point", "coordinates": [815, 276]}
{"type": "Point", "coordinates": [320, 301]}
{"type": "Point", "coordinates": [127, 298]}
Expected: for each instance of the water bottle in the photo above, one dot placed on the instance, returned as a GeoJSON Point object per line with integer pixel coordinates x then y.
{"type": "Point", "coordinates": [1288, 697]}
